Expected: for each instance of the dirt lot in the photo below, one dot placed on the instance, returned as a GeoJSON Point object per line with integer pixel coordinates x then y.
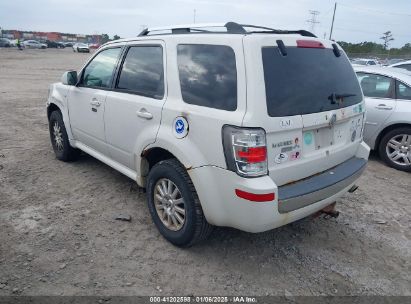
{"type": "Point", "coordinates": [58, 235]}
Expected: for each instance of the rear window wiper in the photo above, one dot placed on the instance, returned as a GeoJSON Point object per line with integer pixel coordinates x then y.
{"type": "Point", "coordinates": [334, 97]}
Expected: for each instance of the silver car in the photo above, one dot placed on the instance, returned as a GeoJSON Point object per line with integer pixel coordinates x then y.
{"type": "Point", "coordinates": [402, 65]}
{"type": "Point", "coordinates": [34, 44]}
{"type": "Point", "coordinates": [387, 94]}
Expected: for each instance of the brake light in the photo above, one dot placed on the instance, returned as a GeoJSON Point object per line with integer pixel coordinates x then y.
{"type": "Point", "coordinates": [245, 150]}
{"type": "Point", "coordinates": [312, 44]}
{"type": "Point", "coordinates": [253, 155]}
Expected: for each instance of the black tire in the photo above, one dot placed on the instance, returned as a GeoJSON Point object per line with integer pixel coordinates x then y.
{"type": "Point", "coordinates": [63, 150]}
{"type": "Point", "coordinates": [382, 149]}
{"type": "Point", "coordinates": [195, 228]}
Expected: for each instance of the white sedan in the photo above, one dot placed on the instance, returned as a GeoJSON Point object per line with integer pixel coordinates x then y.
{"type": "Point", "coordinates": [387, 93]}
{"type": "Point", "coordinates": [81, 48]}
{"type": "Point", "coordinates": [34, 44]}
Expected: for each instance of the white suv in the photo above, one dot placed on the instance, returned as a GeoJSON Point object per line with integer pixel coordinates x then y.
{"type": "Point", "coordinates": [247, 129]}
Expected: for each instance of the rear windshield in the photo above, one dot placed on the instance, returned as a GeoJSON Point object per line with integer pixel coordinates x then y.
{"type": "Point", "coordinates": [307, 80]}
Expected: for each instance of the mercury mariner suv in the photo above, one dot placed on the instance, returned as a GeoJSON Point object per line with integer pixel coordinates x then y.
{"type": "Point", "coordinates": [223, 124]}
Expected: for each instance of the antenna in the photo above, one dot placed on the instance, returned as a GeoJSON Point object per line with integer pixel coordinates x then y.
{"type": "Point", "coordinates": [313, 20]}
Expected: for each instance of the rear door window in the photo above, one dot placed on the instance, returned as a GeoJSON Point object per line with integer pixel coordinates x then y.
{"type": "Point", "coordinates": [142, 72]}
{"type": "Point", "coordinates": [304, 81]}
{"type": "Point", "coordinates": [403, 91]}
{"type": "Point", "coordinates": [376, 86]}
{"type": "Point", "coordinates": [208, 75]}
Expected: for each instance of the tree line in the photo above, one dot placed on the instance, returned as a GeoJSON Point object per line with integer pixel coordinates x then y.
{"type": "Point", "coordinates": [372, 48]}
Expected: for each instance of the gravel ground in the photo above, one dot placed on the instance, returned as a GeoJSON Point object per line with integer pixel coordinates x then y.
{"type": "Point", "coordinates": [58, 235]}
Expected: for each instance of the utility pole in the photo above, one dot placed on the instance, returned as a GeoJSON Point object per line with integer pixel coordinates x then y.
{"type": "Point", "coordinates": [313, 20]}
{"type": "Point", "coordinates": [332, 23]}
{"type": "Point", "coordinates": [194, 16]}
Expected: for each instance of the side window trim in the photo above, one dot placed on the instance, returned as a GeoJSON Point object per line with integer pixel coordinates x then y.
{"type": "Point", "coordinates": [80, 82]}
{"type": "Point", "coordinates": [120, 68]}
{"type": "Point", "coordinates": [397, 87]}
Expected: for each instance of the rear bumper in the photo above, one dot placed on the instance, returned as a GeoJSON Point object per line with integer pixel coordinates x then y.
{"type": "Point", "coordinates": [222, 207]}
{"type": "Point", "coordinates": [319, 187]}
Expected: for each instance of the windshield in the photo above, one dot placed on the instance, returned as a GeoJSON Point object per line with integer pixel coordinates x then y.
{"type": "Point", "coordinates": [308, 80]}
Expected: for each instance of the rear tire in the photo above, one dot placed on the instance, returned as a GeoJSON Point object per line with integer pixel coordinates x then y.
{"type": "Point", "coordinates": [59, 139]}
{"type": "Point", "coordinates": [178, 217]}
{"type": "Point", "coordinates": [395, 149]}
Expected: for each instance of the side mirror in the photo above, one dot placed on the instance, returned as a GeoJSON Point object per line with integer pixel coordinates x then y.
{"type": "Point", "coordinates": [69, 78]}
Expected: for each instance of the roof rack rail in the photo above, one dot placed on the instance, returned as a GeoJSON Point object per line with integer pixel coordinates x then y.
{"type": "Point", "coordinates": [231, 28]}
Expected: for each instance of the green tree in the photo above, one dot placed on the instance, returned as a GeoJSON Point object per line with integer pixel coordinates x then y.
{"type": "Point", "coordinates": [116, 37]}
{"type": "Point", "coordinates": [387, 38]}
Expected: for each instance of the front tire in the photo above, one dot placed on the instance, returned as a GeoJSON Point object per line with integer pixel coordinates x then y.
{"type": "Point", "coordinates": [174, 205]}
{"type": "Point", "coordinates": [395, 149]}
{"type": "Point", "coordinates": [59, 138]}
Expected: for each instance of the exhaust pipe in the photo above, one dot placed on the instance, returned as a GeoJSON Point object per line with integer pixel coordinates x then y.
{"type": "Point", "coordinates": [329, 211]}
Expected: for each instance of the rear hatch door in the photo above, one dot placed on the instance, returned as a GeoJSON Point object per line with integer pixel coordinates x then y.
{"type": "Point", "coordinates": [306, 96]}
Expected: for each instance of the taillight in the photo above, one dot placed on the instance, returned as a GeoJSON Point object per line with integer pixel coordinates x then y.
{"type": "Point", "coordinates": [245, 150]}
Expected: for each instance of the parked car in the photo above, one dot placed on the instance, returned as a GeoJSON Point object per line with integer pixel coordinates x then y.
{"type": "Point", "coordinates": [94, 45]}
{"type": "Point", "coordinates": [4, 42]}
{"type": "Point", "coordinates": [365, 62]}
{"type": "Point", "coordinates": [68, 44]}
{"type": "Point", "coordinates": [394, 60]}
{"type": "Point", "coordinates": [81, 48]}
{"type": "Point", "coordinates": [33, 44]}
{"type": "Point", "coordinates": [212, 144]}
{"type": "Point", "coordinates": [13, 43]}
{"type": "Point", "coordinates": [387, 94]}
{"type": "Point", "coordinates": [55, 44]}
{"type": "Point", "coordinates": [402, 65]}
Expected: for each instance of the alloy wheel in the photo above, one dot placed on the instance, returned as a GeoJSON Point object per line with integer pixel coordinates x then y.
{"type": "Point", "coordinates": [58, 136]}
{"type": "Point", "coordinates": [398, 149]}
{"type": "Point", "coordinates": [169, 204]}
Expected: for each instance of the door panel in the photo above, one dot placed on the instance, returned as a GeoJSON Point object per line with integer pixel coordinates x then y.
{"type": "Point", "coordinates": [133, 110]}
{"type": "Point", "coordinates": [86, 108]}
{"type": "Point", "coordinates": [87, 100]}
{"type": "Point", "coordinates": [379, 101]}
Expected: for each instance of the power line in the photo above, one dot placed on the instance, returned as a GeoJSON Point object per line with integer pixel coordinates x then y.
{"type": "Point", "coordinates": [368, 32]}
{"type": "Point", "coordinates": [375, 11]}
{"type": "Point", "coordinates": [313, 20]}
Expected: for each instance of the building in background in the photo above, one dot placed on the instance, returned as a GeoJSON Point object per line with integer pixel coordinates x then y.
{"type": "Point", "coordinates": [51, 36]}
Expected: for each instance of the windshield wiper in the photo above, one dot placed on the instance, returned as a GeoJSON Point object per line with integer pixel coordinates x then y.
{"type": "Point", "coordinates": [334, 97]}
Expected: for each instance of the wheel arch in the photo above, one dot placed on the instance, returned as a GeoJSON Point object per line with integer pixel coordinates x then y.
{"type": "Point", "coordinates": [51, 108]}
{"type": "Point", "coordinates": [151, 156]}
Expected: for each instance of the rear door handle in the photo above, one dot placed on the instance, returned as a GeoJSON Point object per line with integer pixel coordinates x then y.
{"type": "Point", "coordinates": [95, 103]}
{"type": "Point", "coordinates": [383, 107]}
{"type": "Point", "coordinates": [143, 113]}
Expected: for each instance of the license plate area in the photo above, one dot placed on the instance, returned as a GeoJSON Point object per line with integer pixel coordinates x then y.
{"type": "Point", "coordinates": [323, 137]}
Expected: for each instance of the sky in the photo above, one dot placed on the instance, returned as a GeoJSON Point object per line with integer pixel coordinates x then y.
{"type": "Point", "coordinates": [355, 20]}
